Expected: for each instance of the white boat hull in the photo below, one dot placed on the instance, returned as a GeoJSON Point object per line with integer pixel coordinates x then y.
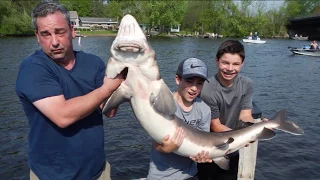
{"type": "Point", "coordinates": [253, 41]}
{"type": "Point", "coordinates": [300, 38]}
{"type": "Point", "coordinates": [307, 52]}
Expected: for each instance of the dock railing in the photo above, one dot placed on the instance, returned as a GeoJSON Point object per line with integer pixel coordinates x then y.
{"type": "Point", "coordinates": [248, 155]}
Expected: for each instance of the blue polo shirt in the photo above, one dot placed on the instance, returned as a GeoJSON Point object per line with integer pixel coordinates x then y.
{"type": "Point", "coordinates": [75, 152]}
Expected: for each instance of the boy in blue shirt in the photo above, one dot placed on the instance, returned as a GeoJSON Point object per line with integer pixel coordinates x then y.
{"type": "Point", "coordinates": [164, 164]}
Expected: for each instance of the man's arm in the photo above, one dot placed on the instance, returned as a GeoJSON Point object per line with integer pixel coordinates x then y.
{"type": "Point", "coordinates": [64, 112]}
{"type": "Point", "coordinates": [216, 126]}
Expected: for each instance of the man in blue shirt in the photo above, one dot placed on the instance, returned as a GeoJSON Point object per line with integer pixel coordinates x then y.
{"type": "Point", "coordinates": [61, 92]}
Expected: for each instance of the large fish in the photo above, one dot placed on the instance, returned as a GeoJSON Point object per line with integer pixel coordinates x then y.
{"type": "Point", "coordinates": [154, 107]}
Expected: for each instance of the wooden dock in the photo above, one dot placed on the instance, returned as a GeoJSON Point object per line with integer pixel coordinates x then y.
{"type": "Point", "coordinates": [247, 160]}
{"type": "Point", "coordinates": [248, 155]}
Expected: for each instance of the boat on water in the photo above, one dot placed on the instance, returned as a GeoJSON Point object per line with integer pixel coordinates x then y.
{"type": "Point", "coordinates": [301, 38]}
{"type": "Point", "coordinates": [305, 51]}
{"type": "Point", "coordinates": [254, 41]}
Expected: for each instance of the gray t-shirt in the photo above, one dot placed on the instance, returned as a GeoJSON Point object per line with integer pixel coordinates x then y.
{"type": "Point", "coordinates": [170, 166]}
{"type": "Point", "coordinates": [227, 102]}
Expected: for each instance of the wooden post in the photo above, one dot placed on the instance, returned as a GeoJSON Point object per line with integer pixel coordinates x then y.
{"type": "Point", "coordinates": [247, 160]}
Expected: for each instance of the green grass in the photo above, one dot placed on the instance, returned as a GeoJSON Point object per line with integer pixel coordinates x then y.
{"type": "Point", "coordinates": [98, 32]}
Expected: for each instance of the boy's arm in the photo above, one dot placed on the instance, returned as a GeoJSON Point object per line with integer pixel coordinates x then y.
{"type": "Point", "coordinates": [216, 126]}
{"type": "Point", "coordinates": [170, 144]}
{"type": "Point", "coordinates": [246, 115]}
{"type": "Point", "coordinates": [246, 104]}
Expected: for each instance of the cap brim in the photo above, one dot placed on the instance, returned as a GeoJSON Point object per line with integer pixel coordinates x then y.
{"type": "Point", "coordinates": [194, 75]}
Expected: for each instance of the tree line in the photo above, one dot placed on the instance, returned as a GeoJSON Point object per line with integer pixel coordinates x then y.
{"type": "Point", "coordinates": [227, 17]}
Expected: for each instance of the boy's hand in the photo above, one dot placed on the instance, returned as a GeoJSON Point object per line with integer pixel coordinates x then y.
{"type": "Point", "coordinates": [202, 157]}
{"type": "Point", "coordinates": [170, 144]}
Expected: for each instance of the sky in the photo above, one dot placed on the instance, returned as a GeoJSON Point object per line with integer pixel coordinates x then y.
{"type": "Point", "coordinates": [270, 4]}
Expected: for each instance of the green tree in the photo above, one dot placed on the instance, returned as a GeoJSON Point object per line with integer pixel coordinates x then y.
{"type": "Point", "coordinates": [14, 20]}
{"type": "Point", "coordinates": [298, 8]}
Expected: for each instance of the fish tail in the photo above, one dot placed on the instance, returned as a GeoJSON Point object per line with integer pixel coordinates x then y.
{"type": "Point", "coordinates": [285, 125]}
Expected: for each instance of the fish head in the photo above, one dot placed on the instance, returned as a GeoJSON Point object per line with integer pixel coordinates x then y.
{"type": "Point", "coordinates": [131, 48]}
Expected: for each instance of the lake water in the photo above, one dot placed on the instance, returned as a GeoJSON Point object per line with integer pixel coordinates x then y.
{"type": "Point", "coordinates": [281, 81]}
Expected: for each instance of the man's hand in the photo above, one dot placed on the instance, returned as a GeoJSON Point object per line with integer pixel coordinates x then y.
{"type": "Point", "coordinates": [111, 113]}
{"type": "Point", "coordinates": [202, 157]}
{"type": "Point", "coordinates": [170, 144]}
{"type": "Point", "coordinates": [111, 84]}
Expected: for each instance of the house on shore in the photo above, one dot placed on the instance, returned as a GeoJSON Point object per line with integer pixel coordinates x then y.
{"type": "Point", "coordinates": [175, 28]}
{"type": "Point", "coordinates": [103, 23]}
{"type": "Point", "coordinates": [74, 18]}
{"type": "Point", "coordinates": [92, 22]}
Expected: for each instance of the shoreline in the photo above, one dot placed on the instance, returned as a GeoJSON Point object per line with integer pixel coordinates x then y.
{"type": "Point", "coordinates": [86, 35]}
{"type": "Point", "coordinates": [170, 36]}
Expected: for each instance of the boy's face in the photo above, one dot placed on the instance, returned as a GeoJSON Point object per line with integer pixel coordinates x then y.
{"type": "Point", "coordinates": [229, 66]}
{"type": "Point", "coordinates": [189, 88]}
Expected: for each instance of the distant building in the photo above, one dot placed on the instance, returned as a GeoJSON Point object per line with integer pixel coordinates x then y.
{"type": "Point", "coordinates": [88, 22]}
{"type": "Point", "coordinates": [175, 28]}
{"type": "Point", "coordinates": [106, 23]}
{"type": "Point", "coordinates": [74, 18]}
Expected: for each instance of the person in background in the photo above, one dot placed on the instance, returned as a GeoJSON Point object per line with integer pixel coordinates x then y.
{"type": "Point", "coordinates": [255, 37]}
{"type": "Point", "coordinates": [250, 35]}
{"type": "Point", "coordinates": [165, 165]}
{"type": "Point", "coordinates": [314, 45]}
{"type": "Point", "coordinates": [229, 96]}
{"type": "Point", "coordinates": [62, 92]}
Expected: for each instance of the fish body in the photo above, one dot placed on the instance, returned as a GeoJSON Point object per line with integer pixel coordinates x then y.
{"type": "Point", "coordinates": [154, 107]}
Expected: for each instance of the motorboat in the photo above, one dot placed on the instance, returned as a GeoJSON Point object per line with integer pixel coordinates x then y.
{"type": "Point", "coordinates": [305, 50]}
{"type": "Point", "coordinates": [254, 41]}
{"type": "Point", "coordinates": [301, 38]}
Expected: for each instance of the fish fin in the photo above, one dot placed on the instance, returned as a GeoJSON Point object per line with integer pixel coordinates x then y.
{"type": "Point", "coordinates": [225, 145]}
{"type": "Point", "coordinates": [287, 126]}
{"type": "Point", "coordinates": [222, 162]}
{"type": "Point", "coordinates": [162, 100]}
{"type": "Point", "coordinates": [118, 96]}
{"type": "Point", "coordinates": [266, 134]}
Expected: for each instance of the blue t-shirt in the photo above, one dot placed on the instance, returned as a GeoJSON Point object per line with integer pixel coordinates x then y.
{"type": "Point", "coordinates": [75, 152]}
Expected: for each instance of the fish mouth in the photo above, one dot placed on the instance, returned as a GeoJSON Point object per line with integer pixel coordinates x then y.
{"type": "Point", "coordinates": [130, 37]}
{"type": "Point", "coordinates": [130, 46]}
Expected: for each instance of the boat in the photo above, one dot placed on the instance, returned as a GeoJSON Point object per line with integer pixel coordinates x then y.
{"type": "Point", "coordinates": [256, 41]}
{"type": "Point", "coordinates": [301, 38]}
{"type": "Point", "coordinates": [305, 50]}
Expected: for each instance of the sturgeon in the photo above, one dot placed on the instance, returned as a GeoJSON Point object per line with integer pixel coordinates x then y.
{"type": "Point", "coordinates": [154, 107]}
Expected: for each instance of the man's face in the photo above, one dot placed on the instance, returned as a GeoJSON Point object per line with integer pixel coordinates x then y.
{"type": "Point", "coordinates": [229, 66]}
{"type": "Point", "coordinates": [55, 36]}
{"type": "Point", "coordinates": [189, 88]}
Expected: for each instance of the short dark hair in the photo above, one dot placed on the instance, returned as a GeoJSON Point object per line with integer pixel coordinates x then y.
{"type": "Point", "coordinates": [232, 47]}
{"type": "Point", "coordinates": [48, 7]}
